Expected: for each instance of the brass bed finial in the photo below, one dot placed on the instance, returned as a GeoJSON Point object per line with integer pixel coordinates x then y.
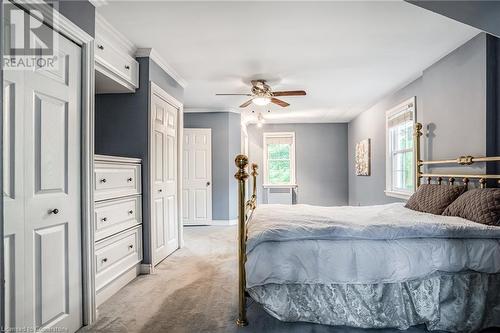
{"type": "Point", "coordinates": [241, 162]}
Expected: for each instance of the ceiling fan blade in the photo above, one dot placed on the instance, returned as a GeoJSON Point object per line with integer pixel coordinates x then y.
{"type": "Point", "coordinates": [247, 103]}
{"type": "Point", "coordinates": [290, 93]}
{"type": "Point", "coordinates": [233, 94]}
{"type": "Point", "coordinates": [279, 102]}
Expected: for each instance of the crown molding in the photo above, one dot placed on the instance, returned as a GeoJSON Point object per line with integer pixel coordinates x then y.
{"type": "Point", "coordinates": [99, 3]}
{"type": "Point", "coordinates": [149, 52]}
{"type": "Point", "coordinates": [210, 110]}
{"type": "Point", "coordinates": [105, 29]}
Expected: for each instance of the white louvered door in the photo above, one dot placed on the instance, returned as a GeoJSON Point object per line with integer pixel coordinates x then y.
{"type": "Point", "coordinates": [164, 174]}
{"type": "Point", "coordinates": [43, 208]}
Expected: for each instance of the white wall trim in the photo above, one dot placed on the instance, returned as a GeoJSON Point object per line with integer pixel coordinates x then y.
{"type": "Point", "coordinates": [149, 52]}
{"type": "Point", "coordinates": [224, 222]}
{"type": "Point", "coordinates": [146, 269]}
{"type": "Point", "coordinates": [98, 3]}
{"type": "Point", "coordinates": [109, 30]}
{"type": "Point", "coordinates": [410, 103]}
{"type": "Point", "coordinates": [210, 109]}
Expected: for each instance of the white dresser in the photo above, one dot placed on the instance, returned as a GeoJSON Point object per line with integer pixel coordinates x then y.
{"type": "Point", "coordinates": [118, 223]}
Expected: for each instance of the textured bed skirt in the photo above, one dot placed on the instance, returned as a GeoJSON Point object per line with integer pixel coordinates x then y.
{"type": "Point", "coordinates": [460, 302]}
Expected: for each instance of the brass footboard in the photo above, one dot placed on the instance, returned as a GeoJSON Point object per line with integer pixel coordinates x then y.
{"type": "Point", "coordinates": [245, 211]}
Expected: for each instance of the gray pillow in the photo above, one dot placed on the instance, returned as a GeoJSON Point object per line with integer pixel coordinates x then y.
{"type": "Point", "coordinates": [434, 198]}
{"type": "Point", "coordinates": [480, 205]}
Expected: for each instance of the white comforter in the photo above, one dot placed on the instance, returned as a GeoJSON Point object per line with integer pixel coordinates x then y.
{"type": "Point", "coordinates": [370, 244]}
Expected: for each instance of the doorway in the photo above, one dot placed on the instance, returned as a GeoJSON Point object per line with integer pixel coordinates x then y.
{"type": "Point", "coordinates": [197, 176]}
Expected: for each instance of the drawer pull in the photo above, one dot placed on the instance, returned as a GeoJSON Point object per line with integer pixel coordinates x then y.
{"type": "Point", "coordinates": [130, 211]}
{"type": "Point", "coordinates": [104, 219]}
{"type": "Point", "coordinates": [100, 47]}
{"type": "Point", "coordinates": [54, 211]}
{"type": "Point", "coordinates": [127, 67]}
{"type": "Point", "coordinates": [104, 260]}
{"type": "Point", "coordinates": [103, 180]}
{"type": "Point", "coordinates": [131, 246]}
{"type": "Point", "coordinates": [129, 179]}
{"type": "Point", "coordinates": [160, 190]}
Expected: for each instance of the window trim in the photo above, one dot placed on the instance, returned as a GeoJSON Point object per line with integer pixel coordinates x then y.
{"type": "Point", "coordinates": [389, 190]}
{"type": "Point", "coordinates": [293, 178]}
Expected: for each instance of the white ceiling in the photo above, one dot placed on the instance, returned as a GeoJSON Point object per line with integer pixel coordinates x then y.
{"type": "Point", "coordinates": [346, 55]}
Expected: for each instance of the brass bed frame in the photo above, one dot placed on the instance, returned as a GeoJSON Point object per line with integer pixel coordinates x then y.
{"type": "Point", "coordinates": [246, 207]}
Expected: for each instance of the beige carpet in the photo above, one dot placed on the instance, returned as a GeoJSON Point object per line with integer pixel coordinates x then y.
{"type": "Point", "coordinates": [194, 290]}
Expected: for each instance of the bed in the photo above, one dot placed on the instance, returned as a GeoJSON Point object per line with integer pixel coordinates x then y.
{"type": "Point", "coordinates": [373, 266]}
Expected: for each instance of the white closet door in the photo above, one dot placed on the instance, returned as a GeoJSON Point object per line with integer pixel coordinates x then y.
{"type": "Point", "coordinates": [48, 245]}
{"type": "Point", "coordinates": [164, 173]}
{"type": "Point", "coordinates": [197, 176]}
{"type": "Point", "coordinates": [13, 177]}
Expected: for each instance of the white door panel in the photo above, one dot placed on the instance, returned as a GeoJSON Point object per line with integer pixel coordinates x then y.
{"type": "Point", "coordinates": [43, 211]}
{"type": "Point", "coordinates": [164, 161]}
{"type": "Point", "coordinates": [197, 176]}
{"type": "Point", "coordinates": [13, 156]}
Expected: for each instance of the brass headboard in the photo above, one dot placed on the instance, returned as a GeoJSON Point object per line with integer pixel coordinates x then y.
{"type": "Point", "coordinates": [449, 178]}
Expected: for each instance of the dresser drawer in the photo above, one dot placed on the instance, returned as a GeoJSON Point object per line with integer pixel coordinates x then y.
{"type": "Point", "coordinates": [118, 63]}
{"type": "Point", "coordinates": [113, 216]}
{"type": "Point", "coordinates": [113, 180]}
{"type": "Point", "coordinates": [116, 255]}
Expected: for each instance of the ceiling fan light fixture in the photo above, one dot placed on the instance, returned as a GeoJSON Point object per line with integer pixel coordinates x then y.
{"type": "Point", "coordinates": [261, 101]}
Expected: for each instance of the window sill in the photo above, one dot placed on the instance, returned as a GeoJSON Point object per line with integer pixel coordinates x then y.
{"type": "Point", "coordinates": [280, 186]}
{"type": "Point", "coordinates": [399, 195]}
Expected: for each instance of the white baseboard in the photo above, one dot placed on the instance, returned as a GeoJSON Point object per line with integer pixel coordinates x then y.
{"type": "Point", "coordinates": [146, 269]}
{"type": "Point", "coordinates": [224, 222]}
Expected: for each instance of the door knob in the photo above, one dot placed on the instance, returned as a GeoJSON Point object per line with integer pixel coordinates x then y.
{"type": "Point", "coordinates": [54, 211]}
{"type": "Point", "coordinates": [208, 183]}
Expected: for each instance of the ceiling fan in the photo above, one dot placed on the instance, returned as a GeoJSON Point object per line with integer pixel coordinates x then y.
{"type": "Point", "coordinates": [262, 95]}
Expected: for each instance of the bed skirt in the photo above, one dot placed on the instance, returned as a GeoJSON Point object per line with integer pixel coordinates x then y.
{"type": "Point", "coordinates": [458, 302]}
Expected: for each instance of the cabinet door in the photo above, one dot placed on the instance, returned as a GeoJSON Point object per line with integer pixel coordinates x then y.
{"type": "Point", "coordinates": [164, 177]}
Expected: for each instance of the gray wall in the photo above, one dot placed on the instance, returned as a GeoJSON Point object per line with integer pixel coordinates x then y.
{"type": "Point", "coordinates": [321, 161]}
{"type": "Point", "coordinates": [451, 104]}
{"type": "Point", "coordinates": [480, 14]}
{"type": "Point", "coordinates": [121, 128]}
{"type": "Point", "coordinates": [226, 144]}
{"type": "Point", "coordinates": [165, 81]}
{"type": "Point", "coordinates": [80, 12]}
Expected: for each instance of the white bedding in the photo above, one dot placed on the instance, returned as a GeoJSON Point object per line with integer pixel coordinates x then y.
{"type": "Point", "coordinates": [372, 244]}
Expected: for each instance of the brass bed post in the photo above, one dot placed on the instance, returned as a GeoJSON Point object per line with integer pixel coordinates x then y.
{"type": "Point", "coordinates": [417, 133]}
{"type": "Point", "coordinates": [242, 175]}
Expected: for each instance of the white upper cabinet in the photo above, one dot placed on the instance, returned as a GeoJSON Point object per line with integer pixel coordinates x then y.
{"type": "Point", "coordinates": [117, 71]}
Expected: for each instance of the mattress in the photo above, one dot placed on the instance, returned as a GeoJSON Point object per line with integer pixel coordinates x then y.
{"type": "Point", "coordinates": [359, 245]}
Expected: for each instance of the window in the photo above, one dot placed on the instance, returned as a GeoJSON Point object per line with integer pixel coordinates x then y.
{"type": "Point", "coordinates": [399, 151]}
{"type": "Point", "coordinates": [279, 159]}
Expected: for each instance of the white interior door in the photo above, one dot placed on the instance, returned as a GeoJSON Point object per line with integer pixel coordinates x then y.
{"type": "Point", "coordinates": [43, 195]}
{"type": "Point", "coordinates": [197, 174]}
{"type": "Point", "coordinates": [164, 173]}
